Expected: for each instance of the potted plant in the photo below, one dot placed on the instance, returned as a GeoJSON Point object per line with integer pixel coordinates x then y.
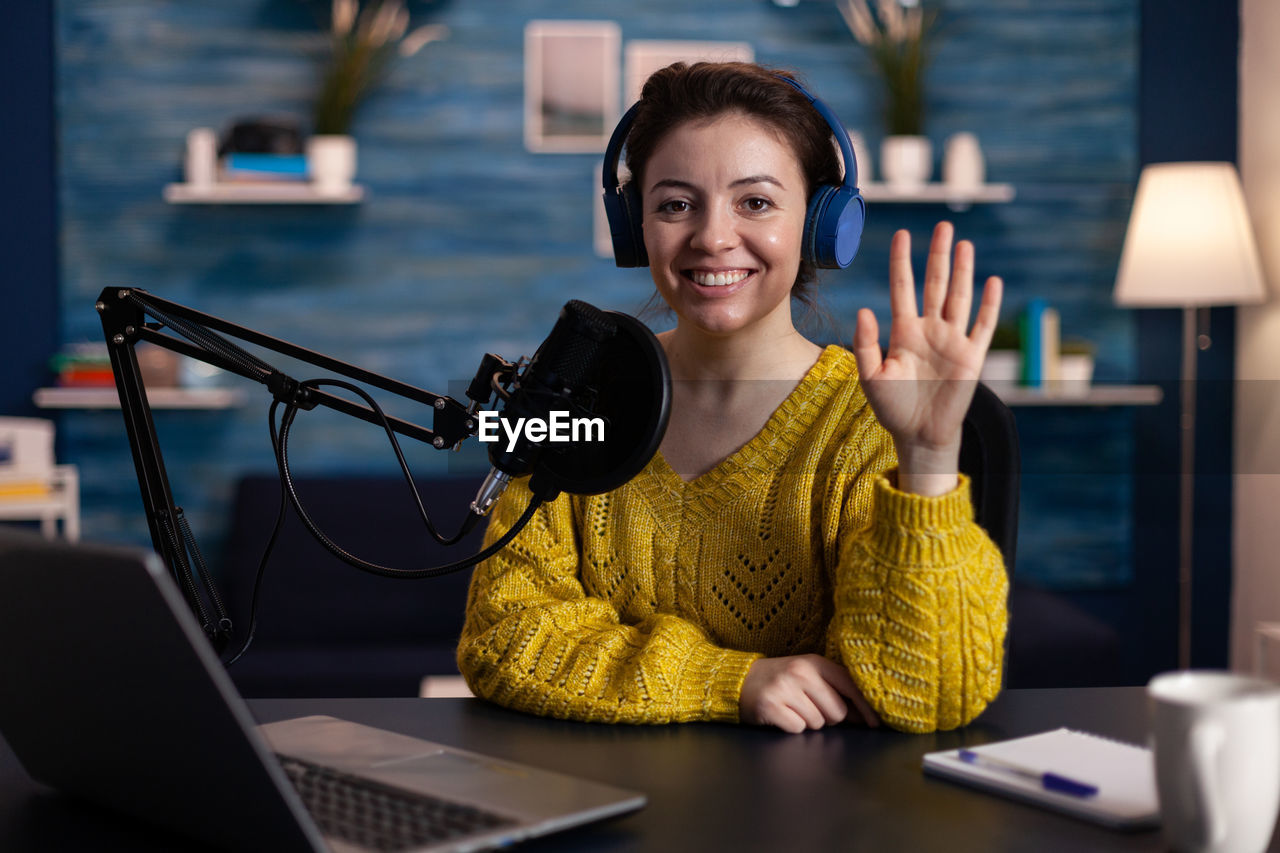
{"type": "Point", "coordinates": [896, 35]}
{"type": "Point", "coordinates": [362, 44]}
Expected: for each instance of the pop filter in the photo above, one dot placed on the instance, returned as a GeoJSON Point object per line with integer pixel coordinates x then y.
{"type": "Point", "coordinates": [633, 398]}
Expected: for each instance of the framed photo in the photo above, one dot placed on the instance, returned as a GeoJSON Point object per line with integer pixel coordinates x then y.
{"type": "Point", "coordinates": [570, 85]}
{"type": "Point", "coordinates": [645, 57]}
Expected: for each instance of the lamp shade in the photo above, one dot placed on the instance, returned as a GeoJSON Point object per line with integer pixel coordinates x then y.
{"type": "Point", "coordinates": [1189, 241]}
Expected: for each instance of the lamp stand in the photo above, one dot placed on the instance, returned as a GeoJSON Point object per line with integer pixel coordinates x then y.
{"type": "Point", "coordinates": [1186, 490]}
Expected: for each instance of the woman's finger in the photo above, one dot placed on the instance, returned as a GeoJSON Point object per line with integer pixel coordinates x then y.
{"type": "Point", "coordinates": [866, 343]}
{"type": "Point", "coordinates": [937, 270]}
{"type": "Point", "coordinates": [839, 678]}
{"type": "Point", "coordinates": [902, 283]}
{"type": "Point", "coordinates": [988, 313]}
{"type": "Point", "coordinates": [960, 293]}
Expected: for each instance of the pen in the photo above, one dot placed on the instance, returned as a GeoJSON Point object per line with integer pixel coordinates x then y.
{"type": "Point", "coordinates": [1049, 781]}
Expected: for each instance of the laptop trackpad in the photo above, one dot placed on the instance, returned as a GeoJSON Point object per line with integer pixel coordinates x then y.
{"type": "Point", "coordinates": [342, 744]}
{"type": "Point", "coordinates": [522, 791]}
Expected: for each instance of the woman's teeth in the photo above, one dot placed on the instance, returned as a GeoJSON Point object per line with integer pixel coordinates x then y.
{"type": "Point", "coordinates": [718, 279]}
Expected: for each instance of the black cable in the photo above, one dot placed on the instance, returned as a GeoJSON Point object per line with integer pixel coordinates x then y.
{"type": "Point", "coordinates": [266, 553]}
{"type": "Point", "coordinates": [282, 461]}
{"type": "Point", "coordinates": [288, 495]}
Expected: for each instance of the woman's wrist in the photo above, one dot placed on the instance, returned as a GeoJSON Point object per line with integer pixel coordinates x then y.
{"type": "Point", "coordinates": [928, 471]}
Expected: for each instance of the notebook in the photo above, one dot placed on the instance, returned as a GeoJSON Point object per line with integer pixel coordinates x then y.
{"type": "Point", "coordinates": [1123, 774]}
{"type": "Point", "coordinates": [111, 693]}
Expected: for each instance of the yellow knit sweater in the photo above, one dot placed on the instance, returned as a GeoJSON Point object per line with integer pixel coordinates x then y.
{"type": "Point", "coordinates": [649, 603]}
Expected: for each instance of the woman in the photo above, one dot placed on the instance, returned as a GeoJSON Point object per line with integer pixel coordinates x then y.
{"type": "Point", "coordinates": [802, 545]}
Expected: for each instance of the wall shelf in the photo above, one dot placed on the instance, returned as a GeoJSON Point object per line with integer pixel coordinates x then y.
{"type": "Point", "coordinates": [259, 193]}
{"type": "Point", "coordinates": [1096, 395]}
{"type": "Point", "coordinates": [159, 398]}
{"type": "Point", "coordinates": [938, 193]}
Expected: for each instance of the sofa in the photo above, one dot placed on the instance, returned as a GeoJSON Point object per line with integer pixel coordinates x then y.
{"type": "Point", "coordinates": [326, 629]}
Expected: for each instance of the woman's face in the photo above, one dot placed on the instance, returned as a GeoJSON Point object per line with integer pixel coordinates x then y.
{"type": "Point", "coordinates": [724, 205]}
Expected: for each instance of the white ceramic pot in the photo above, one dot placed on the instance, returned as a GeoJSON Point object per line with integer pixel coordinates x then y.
{"type": "Point", "coordinates": [906, 161]}
{"type": "Point", "coordinates": [962, 163]}
{"type": "Point", "coordinates": [331, 162]}
{"type": "Point", "coordinates": [1002, 367]}
{"type": "Point", "coordinates": [1075, 373]}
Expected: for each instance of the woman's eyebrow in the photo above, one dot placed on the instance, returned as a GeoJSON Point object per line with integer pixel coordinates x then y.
{"type": "Point", "coordinates": [740, 182]}
{"type": "Point", "coordinates": [758, 179]}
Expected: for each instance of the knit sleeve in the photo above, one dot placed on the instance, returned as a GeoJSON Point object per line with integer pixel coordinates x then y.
{"type": "Point", "coordinates": [534, 641]}
{"type": "Point", "coordinates": [920, 606]}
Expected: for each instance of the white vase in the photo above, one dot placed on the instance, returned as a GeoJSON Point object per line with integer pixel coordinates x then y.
{"type": "Point", "coordinates": [1001, 367]}
{"type": "Point", "coordinates": [1075, 374]}
{"type": "Point", "coordinates": [962, 163]}
{"type": "Point", "coordinates": [906, 161]}
{"type": "Point", "coordinates": [331, 162]}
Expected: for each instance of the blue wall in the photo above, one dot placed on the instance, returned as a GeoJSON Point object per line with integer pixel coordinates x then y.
{"type": "Point", "coordinates": [468, 243]}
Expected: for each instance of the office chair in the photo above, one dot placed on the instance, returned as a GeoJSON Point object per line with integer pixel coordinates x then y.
{"type": "Point", "coordinates": [990, 456]}
{"type": "Point", "coordinates": [1051, 642]}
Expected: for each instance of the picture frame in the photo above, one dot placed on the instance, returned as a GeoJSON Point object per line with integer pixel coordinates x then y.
{"type": "Point", "coordinates": [571, 85]}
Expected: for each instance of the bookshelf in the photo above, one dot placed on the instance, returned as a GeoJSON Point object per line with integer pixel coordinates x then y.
{"type": "Point", "coordinates": [1094, 395]}
{"type": "Point", "coordinates": [938, 193]}
{"type": "Point", "coordinates": [159, 398]}
{"type": "Point", "coordinates": [259, 193]}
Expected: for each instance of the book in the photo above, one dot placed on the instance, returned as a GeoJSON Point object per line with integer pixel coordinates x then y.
{"type": "Point", "coordinates": [264, 167]}
{"type": "Point", "coordinates": [1123, 775]}
{"type": "Point", "coordinates": [1031, 328]}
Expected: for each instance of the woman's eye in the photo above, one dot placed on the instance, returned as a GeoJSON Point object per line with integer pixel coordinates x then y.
{"type": "Point", "coordinates": [758, 205]}
{"type": "Point", "coordinates": [674, 206]}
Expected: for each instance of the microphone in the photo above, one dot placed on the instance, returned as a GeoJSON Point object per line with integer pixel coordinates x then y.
{"type": "Point", "coordinates": [601, 371]}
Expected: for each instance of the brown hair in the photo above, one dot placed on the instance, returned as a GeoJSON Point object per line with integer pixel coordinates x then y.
{"type": "Point", "coordinates": [682, 93]}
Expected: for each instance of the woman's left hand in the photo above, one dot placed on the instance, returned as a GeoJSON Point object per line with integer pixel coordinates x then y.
{"type": "Point", "coordinates": [921, 389]}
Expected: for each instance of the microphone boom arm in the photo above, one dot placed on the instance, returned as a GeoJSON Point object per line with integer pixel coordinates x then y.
{"type": "Point", "coordinates": [123, 313]}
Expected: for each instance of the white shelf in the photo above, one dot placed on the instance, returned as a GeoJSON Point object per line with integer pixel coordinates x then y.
{"type": "Point", "coordinates": [159, 398]}
{"type": "Point", "coordinates": [938, 193]}
{"type": "Point", "coordinates": [263, 193]}
{"type": "Point", "coordinates": [1095, 395]}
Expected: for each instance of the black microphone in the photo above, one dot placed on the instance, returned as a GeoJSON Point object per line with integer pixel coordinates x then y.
{"type": "Point", "coordinates": [559, 384]}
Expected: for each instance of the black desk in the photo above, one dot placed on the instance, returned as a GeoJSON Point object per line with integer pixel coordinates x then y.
{"type": "Point", "coordinates": [710, 787]}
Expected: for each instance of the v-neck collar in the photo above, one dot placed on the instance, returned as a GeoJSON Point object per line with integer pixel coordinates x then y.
{"type": "Point", "coordinates": [767, 448]}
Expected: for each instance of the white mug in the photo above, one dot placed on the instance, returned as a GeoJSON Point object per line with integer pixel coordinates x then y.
{"type": "Point", "coordinates": [1216, 739]}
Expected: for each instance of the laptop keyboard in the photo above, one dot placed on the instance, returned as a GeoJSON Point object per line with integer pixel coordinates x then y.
{"type": "Point", "coordinates": [381, 817]}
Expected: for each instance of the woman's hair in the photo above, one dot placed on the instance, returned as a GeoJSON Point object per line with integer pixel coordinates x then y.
{"type": "Point", "coordinates": [681, 93]}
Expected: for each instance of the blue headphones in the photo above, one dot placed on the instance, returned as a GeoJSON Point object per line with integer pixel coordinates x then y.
{"type": "Point", "coordinates": [832, 224]}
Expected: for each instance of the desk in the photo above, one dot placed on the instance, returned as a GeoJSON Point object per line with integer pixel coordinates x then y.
{"type": "Point", "coordinates": [710, 787]}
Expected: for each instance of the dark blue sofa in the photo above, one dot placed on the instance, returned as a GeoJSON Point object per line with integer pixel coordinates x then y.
{"type": "Point", "coordinates": [327, 629]}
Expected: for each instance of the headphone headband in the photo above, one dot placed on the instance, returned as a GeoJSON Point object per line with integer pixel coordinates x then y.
{"type": "Point", "coordinates": [833, 222]}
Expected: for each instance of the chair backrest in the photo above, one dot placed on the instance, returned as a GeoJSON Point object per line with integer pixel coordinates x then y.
{"type": "Point", "coordinates": [989, 455]}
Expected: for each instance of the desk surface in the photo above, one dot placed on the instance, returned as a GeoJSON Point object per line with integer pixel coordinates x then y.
{"type": "Point", "coordinates": [710, 787]}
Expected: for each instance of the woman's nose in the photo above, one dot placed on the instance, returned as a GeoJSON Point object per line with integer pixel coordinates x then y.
{"type": "Point", "coordinates": [715, 231]}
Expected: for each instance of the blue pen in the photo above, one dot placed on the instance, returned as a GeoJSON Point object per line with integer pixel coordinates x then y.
{"type": "Point", "coordinates": [1049, 781]}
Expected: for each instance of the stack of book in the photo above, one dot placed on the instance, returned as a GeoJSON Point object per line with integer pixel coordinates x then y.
{"type": "Point", "coordinates": [240, 167]}
{"type": "Point", "coordinates": [83, 365]}
{"type": "Point", "coordinates": [1040, 329]}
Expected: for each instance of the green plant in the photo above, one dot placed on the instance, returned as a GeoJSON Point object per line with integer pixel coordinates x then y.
{"type": "Point", "coordinates": [363, 42]}
{"type": "Point", "coordinates": [1076, 346]}
{"type": "Point", "coordinates": [1006, 337]}
{"type": "Point", "coordinates": [897, 36]}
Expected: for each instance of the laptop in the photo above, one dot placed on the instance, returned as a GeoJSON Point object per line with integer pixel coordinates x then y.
{"type": "Point", "coordinates": [112, 693]}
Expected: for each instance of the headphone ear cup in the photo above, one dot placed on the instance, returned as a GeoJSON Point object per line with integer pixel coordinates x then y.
{"type": "Point", "coordinates": [622, 209]}
{"type": "Point", "coordinates": [833, 226]}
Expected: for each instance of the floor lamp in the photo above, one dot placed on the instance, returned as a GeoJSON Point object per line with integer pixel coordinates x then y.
{"type": "Point", "coordinates": [1189, 245]}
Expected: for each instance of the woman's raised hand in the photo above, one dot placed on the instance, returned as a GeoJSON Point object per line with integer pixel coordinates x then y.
{"type": "Point", "coordinates": [921, 389]}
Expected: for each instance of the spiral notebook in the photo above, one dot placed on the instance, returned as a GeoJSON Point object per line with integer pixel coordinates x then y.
{"type": "Point", "coordinates": [1123, 774]}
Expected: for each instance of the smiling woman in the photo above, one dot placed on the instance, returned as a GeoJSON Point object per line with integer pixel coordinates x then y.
{"type": "Point", "coordinates": [801, 550]}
